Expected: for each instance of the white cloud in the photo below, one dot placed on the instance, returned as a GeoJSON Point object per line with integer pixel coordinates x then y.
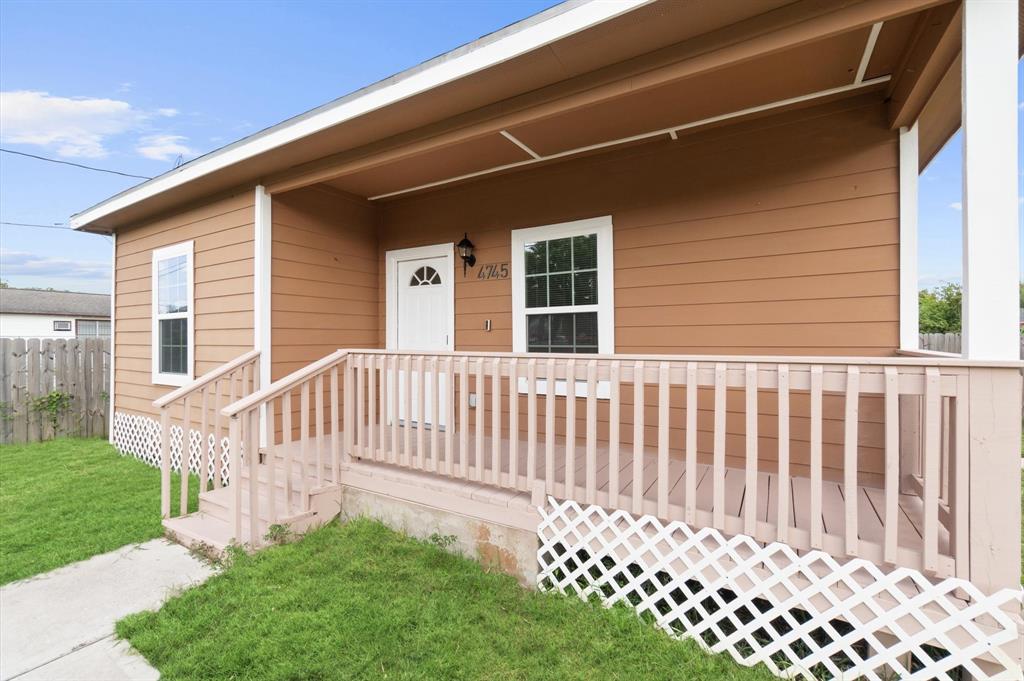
{"type": "Point", "coordinates": [956, 205]}
{"type": "Point", "coordinates": [75, 126]}
{"type": "Point", "coordinates": [81, 126]}
{"type": "Point", "coordinates": [164, 147]}
{"type": "Point", "coordinates": [30, 264]}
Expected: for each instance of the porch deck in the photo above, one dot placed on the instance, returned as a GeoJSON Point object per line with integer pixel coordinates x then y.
{"type": "Point", "coordinates": [427, 455]}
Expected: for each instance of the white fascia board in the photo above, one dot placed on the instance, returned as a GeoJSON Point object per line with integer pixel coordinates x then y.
{"type": "Point", "coordinates": [447, 68]}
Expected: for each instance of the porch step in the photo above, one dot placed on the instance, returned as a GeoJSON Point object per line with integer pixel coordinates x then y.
{"type": "Point", "coordinates": [211, 528]}
{"type": "Point", "coordinates": [219, 502]}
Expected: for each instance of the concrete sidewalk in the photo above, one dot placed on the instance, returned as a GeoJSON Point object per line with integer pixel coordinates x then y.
{"type": "Point", "coordinates": [60, 625]}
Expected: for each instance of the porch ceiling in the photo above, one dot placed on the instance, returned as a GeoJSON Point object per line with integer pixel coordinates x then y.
{"type": "Point", "coordinates": [658, 63]}
{"type": "Point", "coordinates": [846, 62]}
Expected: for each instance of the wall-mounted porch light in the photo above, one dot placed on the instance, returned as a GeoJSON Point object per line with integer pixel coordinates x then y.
{"type": "Point", "coordinates": [466, 252]}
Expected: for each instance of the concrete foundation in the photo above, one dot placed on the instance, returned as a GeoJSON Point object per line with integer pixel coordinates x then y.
{"type": "Point", "coordinates": [498, 547]}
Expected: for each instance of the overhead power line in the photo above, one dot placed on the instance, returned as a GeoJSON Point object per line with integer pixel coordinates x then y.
{"type": "Point", "coordinates": [64, 228]}
{"type": "Point", "coordinates": [76, 165]}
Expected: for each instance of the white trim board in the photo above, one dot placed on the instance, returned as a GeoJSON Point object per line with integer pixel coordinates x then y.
{"type": "Point", "coordinates": [909, 313]}
{"type": "Point", "coordinates": [518, 39]}
{"type": "Point", "coordinates": [391, 260]}
{"type": "Point", "coordinates": [111, 395]}
{"type": "Point", "coordinates": [261, 333]}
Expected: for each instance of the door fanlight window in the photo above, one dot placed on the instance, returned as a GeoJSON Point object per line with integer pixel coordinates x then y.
{"type": "Point", "coordinates": [425, 276]}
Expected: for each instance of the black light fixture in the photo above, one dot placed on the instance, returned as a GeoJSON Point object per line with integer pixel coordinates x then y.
{"type": "Point", "coordinates": [466, 253]}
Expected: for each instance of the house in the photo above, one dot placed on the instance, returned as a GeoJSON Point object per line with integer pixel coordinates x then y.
{"type": "Point", "coordinates": [32, 313]}
{"type": "Point", "coordinates": [623, 296]}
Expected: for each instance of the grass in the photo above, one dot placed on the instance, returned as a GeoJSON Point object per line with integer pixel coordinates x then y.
{"type": "Point", "coordinates": [70, 499]}
{"type": "Point", "coordinates": [361, 601]}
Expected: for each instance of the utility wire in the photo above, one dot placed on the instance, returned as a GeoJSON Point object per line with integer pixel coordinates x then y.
{"type": "Point", "coordinates": [29, 224]}
{"type": "Point", "coordinates": [64, 228]}
{"type": "Point", "coordinates": [76, 165]}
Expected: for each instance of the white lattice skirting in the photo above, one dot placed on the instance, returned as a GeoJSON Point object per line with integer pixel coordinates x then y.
{"type": "Point", "coordinates": [809, 615]}
{"type": "Point", "coordinates": [139, 436]}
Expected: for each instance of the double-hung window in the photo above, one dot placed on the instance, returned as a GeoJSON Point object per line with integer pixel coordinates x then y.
{"type": "Point", "coordinates": [173, 330]}
{"type": "Point", "coordinates": [89, 328]}
{"type": "Point", "coordinates": [562, 288]}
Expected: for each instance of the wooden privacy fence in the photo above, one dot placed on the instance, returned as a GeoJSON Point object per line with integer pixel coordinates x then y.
{"type": "Point", "coordinates": [948, 342]}
{"type": "Point", "coordinates": [53, 387]}
{"type": "Point", "coordinates": [940, 342]}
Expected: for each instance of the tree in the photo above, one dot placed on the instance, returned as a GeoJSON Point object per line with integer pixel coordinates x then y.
{"type": "Point", "coordinates": [939, 308]}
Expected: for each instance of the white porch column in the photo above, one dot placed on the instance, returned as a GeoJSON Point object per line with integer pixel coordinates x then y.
{"type": "Point", "coordinates": [261, 293]}
{"type": "Point", "coordinates": [909, 313]}
{"type": "Point", "coordinates": [991, 267]}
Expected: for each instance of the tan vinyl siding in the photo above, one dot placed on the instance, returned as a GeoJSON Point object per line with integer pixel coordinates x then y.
{"type": "Point", "coordinates": [222, 231]}
{"type": "Point", "coordinates": [324, 274]}
{"type": "Point", "coordinates": [775, 236]}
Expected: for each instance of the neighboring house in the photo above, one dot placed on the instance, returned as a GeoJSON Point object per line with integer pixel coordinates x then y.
{"type": "Point", "coordinates": [712, 207]}
{"type": "Point", "coordinates": [31, 313]}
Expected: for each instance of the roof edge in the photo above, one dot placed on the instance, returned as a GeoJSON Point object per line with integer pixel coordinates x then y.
{"type": "Point", "coordinates": [524, 36]}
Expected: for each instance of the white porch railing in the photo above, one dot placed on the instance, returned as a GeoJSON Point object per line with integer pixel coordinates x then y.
{"type": "Point", "coordinates": [309, 427]}
{"type": "Point", "coordinates": [476, 445]}
{"type": "Point", "coordinates": [871, 455]}
{"type": "Point", "coordinates": [209, 393]}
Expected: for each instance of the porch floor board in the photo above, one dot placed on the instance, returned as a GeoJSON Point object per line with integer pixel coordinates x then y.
{"type": "Point", "coordinates": [481, 485]}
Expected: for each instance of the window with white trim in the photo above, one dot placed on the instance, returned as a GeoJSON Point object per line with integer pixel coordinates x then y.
{"type": "Point", "coordinates": [89, 328]}
{"type": "Point", "coordinates": [173, 314]}
{"type": "Point", "coordinates": [563, 288]}
{"type": "Point", "coordinates": [61, 325]}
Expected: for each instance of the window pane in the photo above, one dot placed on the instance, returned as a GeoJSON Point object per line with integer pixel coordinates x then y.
{"type": "Point", "coordinates": [585, 288]}
{"type": "Point", "coordinates": [172, 285]}
{"type": "Point", "coordinates": [561, 330]}
{"type": "Point", "coordinates": [538, 330]}
{"type": "Point", "coordinates": [537, 291]}
{"type": "Point", "coordinates": [560, 255]}
{"type": "Point", "coordinates": [569, 332]}
{"type": "Point", "coordinates": [584, 252]}
{"type": "Point", "coordinates": [536, 257]}
{"type": "Point", "coordinates": [173, 346]}
{"type": "Point", "coordinates": [559, 290]}
{"type": "Point", "coordinates": [586, 330]}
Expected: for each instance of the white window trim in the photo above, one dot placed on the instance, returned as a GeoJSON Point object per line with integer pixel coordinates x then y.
{"type": "Point", "coordinates": [605, 307]}
{"type": "Point", "coordinates": [187, 249]}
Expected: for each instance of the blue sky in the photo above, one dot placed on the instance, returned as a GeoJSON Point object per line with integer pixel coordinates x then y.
{"type": "Point", "coordinates": [131, 86]}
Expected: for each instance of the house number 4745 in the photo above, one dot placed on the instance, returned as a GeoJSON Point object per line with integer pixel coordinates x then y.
{"type": "Point", "coordinates": [493, 271]}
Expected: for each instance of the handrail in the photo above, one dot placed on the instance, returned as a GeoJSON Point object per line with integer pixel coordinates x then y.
{"type": "Point", "coordinates": [188, 396]}
{"type": "Point", "coordinates": [882, 361]}
{"type": "Point", "coordinates": [205, 379]}
{"type": "Point", "coordinates": [282, 385]}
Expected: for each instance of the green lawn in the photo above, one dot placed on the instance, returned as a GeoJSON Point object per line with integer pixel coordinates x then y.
{"type": "Point", "coordinates": [361, 601]}
{"type": "Point", "coordinates": [66, 500]}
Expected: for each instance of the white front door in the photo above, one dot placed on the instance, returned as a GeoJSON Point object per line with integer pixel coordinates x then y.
{"type": "Point", "coordinates": [420, 281]}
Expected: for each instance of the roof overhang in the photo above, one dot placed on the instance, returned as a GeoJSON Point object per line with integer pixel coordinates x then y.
{"type": "Point", "coordinates": [518, 39]}
{"type": "Point", "coordinates": [575, 79]}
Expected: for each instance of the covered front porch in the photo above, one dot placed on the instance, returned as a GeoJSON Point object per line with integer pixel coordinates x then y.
{"type": "Point", "coordinates": [698, 323]}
